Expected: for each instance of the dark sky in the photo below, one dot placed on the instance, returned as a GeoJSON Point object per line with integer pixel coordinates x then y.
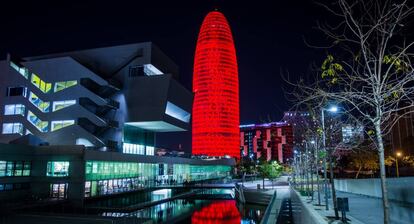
{"type": "Point", "coordinates": [268, 37]}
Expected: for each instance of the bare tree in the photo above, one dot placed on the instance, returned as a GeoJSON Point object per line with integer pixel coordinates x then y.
{"type": "Point", "coordinates": [371, 74]}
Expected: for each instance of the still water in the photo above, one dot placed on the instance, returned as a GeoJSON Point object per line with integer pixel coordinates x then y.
{"type": "Point", "coordinates": [196, 211]}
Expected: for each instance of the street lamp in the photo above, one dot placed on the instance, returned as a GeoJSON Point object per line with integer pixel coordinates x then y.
{"type": "Point", "coordinates": [398, 154]}
{"type": "Point", "coordinates": [332, 109]}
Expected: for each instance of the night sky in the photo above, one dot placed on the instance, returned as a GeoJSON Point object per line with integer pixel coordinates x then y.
{"type": "Point", "coordinates": [269, 37]}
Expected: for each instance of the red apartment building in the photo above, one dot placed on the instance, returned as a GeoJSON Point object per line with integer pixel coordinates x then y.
{"type": "Point", "coordinates": [273, 141]}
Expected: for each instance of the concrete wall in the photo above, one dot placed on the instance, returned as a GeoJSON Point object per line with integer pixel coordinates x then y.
{"type": "Point", "coordinates": [400, 189]}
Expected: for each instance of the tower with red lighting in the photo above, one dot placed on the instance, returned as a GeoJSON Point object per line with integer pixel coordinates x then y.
{"type": "Point", "coordinates": [215, 127]}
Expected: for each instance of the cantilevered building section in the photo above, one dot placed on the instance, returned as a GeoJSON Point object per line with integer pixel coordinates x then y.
{"type": "Point", "coordinates": [112, 98]}
{"type": "Point", "coordinates": [215, 126]}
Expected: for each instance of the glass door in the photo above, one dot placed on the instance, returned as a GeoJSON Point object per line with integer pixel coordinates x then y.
{"type": "Point", "coordinates": [58, 190]}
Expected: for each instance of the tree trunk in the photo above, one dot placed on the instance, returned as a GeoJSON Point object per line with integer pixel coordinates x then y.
{"type": "Point", "coordinates": [385, 202]}
{"type": "Point", "coordinates": [357, 174]}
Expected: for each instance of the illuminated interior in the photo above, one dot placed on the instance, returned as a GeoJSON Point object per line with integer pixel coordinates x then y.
{"type": "Point", "coordinates": [104, 177]}
{"type": "Point", "coordinates": [215, 123]}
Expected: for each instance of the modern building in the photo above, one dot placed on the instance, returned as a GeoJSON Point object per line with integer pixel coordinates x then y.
{"type": "Point", "coordinates": [215, 124]}
{"type": "Point", "coordinates": [352, 133]}
{"type": "Point", "coordinates": [110, 98]}
{"type": "Point", "coordinates": [300, 122]}
{"type": "Point", "coordinates": [272, 141]}
{"type": "Point", "coordinates": [76, 173]}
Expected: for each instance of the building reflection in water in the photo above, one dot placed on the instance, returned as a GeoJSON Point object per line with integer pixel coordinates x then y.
{"type": "Point", "coordinates": [217, 212]}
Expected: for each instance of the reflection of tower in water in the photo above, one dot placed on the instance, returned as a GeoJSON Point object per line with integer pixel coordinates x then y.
{"type": "Point", "coordinates": [217, 212]}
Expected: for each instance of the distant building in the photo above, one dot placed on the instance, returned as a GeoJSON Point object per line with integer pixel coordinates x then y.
{"type": "Point", "coordinates": [352, 133]}
{"type": "Point", "coordinates": [273, 141]}
{"type": "Point", "coordinates": [300, 121]}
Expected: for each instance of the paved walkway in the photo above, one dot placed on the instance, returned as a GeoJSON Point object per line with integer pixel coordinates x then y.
{"type": "Point", "coordinates": [369, 209]}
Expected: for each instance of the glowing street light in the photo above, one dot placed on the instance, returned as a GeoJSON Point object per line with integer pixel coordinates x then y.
{"type": "Point", "coordinates": [332, 109]}
{"type": "Point", "coordinates": [398, 154]}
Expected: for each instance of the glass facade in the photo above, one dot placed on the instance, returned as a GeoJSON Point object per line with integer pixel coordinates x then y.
{"type": "Point", "coordinates": [63, 85]}
{"type": "Point", "coordinates": [12, 128]}
{"type": "Point", "coordinates": [42, 126]}
{"type": "Point", "coordinates": [56, 125]}
{"type": "Point", "coordinates": [22, 70]}
{"type": "Point", "coordinates": [14, 109]}
{"type": "Point", "coordinates": [133, 148]}
{"type": "Point", "coordinates": [57, 169]}
{"type": "Point", "coordinates": [104, 177]}
{"type": "Point", "coordinates": [57, 105]}
{"type": "Point", "coordinates": [40, 104]}
{"type": "Point", "coordinates": [40, 84]}
{"type": "Point", "coordinates": [15, 168]}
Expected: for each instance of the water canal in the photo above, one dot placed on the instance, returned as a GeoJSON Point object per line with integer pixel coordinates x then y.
{"type": "Point", "coordinates": [220, 207]}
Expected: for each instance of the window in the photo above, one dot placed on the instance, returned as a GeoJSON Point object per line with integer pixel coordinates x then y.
{"type": "Point", "coordinates": [14, 168]}
{"type": "Point", "coordinates": [63, 85]}
{"type": "Point", "coordinates": [42, 126]}
{"type": "Point", "coordinates": [17, 91]}
{"type": "Point", "coordinates": [149, 151]}
{"type": "Point", "coordinates": [40, 84]}
{"type": "Point", "coordinates": [3, 168]}
{"type": "Point", "coordinates": [40, 104]}
{"type": "Point", "coordinates": [26, 168]}
{"type": "Point", "coordinates": [13, 109]}
{"type": "Point", "coordinates": [151, 70]}
{"type": "Point", "coordinates": [57, 169]}
{"type": "Point", "coordinates": [56, 125]}
{"type": "Point", "coordinates": [58, 190]}
{"type": "Point", "coordinates": [57, 105]}
{"type": "Point", "coordinates": [22, 70]}
{"type": "Point", "coordinates": [18, 169]}
{"type": "Point", "coordinates": [133, 148]}
{"type": "Point", "coordinates": [176, 112]}
{"type": "Point", "coordinates": [13, 128]}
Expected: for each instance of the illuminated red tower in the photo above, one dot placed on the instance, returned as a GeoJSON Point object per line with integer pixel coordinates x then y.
{"type": "Point", "coordinates": [216, 88]}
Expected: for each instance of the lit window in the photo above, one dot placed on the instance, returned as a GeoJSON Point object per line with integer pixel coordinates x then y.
{"type": "Point", "coordinates": [176, 112]}
{"type": "Point", "coordinates": [13, 109]}
{"type": "Point", "coordinates": [42, 105]}
{"type": "Point", "coordinates": [42, 126]}
{"type": "Point", "coordinates": [57, 105]}
{"type": "Point", "coordinates": [40, 84]}
{"type": "Point", "coordinates": [23, 71]}
{"type": "Point", "coordinates": [3, 168]}
{"type": "Point", "coordinates": [133, 149]}
{"type": "Point", "coordinates": [151, 70]}
{"type": "Point", "coordinates": [57, 169]}
{"type": "Point", "coordinates": [56, 125]}
{"type": "Point", "coordinates": [63, 85]}
{"type": "Point", "coordinates": [149, 151]}
{"type": "Point", "coordinates": [12, 128]}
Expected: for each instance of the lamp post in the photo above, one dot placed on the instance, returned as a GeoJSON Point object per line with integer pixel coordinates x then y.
{"type": "Point", "coordinates": [332, 109]}
{"type": "Point", "coordinates": [312, 162]}
{"type": "Point", "coordinates": [398, 154]}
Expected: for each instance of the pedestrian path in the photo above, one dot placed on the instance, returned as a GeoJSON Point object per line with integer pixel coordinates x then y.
{"type": "Point", "coordinates": [369, 210]}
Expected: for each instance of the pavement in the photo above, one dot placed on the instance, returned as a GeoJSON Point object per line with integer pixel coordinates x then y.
{"type": "Point", "coordinates": [368, 210]}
